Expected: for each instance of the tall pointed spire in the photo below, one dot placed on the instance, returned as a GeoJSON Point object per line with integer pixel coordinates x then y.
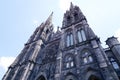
{"type": "Point", "coordinates": [49, 20]}
{"type": "Point", "coordinates": [71, 6]}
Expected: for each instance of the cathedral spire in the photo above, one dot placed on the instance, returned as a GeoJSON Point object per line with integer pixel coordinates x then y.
{"type": "Point", "coordinates": [49, 20]}
{"type": "Point", "coordinates": [71, 6]}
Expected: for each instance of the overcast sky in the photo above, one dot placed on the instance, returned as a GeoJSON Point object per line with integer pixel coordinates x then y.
{"type": "Point", "coordinates": [19, 18]}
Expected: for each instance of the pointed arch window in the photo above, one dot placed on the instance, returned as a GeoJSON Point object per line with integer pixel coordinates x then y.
{"type": "Point", "coordinates": [68, 19]}
{"type": "Point", "coordinates": [76, 17]}
{"type": "Point", "coordinates": [81, 35]}
{"type": "Point", "coordinates": [69, 61]}
{"type": "Point", "coordinates": [69, 39]}
{"type": "Point", "coordinates": [114, 63]}
{"type": "Point", "coordinates": [87, 57]}
{"type": "Point", "coordinates": [90, 58]}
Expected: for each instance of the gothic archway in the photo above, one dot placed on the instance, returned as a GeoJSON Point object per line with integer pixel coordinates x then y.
{"type": "Point", "coordinates": [70, 77]}
{"type": "Point", "coordinates": [92, 77]}
{"type": "Point", "coordinates": [41, 78]}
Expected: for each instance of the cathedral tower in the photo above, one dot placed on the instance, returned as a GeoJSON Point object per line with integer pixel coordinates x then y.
{"type": "Point", "coordinates": [22, 67]}
{"type": "Point", "coordinates": [114, 45]}
{"type": "Point", "coordinates": [72, 53]}
{"type": "Point", "coordinates": [83, 57]}
{"type": "Point", "coordinates": [113, 53]}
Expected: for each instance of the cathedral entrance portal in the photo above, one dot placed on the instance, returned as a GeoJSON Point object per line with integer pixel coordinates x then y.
{"type": "Point", "coordinates": [93, 78]}
{"type": "Point", "coordinates": [41, 78]}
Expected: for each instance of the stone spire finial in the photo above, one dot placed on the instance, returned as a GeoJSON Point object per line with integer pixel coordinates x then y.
{"type": "Point", "coordinates": [71, 6]}
{"type": "Point", "coordinates": [49, 20]}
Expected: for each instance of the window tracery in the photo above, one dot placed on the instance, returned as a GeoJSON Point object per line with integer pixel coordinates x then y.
{"type": "Point", "coordinates": [68, 19]}
{"type": "Point", "coordinates": [76, 17]}
{"type": "Point", "coordinates": [69, 39]}
{"type": "Point", "coordinates": [114, 63]}
{"type": "Point", "coordinates": [69, 62]}
{"type": "Point", "coordinates": [87, 57]}
{"type": "Point", "coordinates": [81, 35]}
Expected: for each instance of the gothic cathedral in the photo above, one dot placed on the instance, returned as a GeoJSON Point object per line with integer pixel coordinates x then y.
{"type": "Point", "coordinates": [72, 53]}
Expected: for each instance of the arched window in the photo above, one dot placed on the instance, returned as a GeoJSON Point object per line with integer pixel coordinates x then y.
{"type": "Point", "coordinates": [90, 58]}
{"type": "Point", "coordinates": [69, 61]}
{"type": "Point", "coordinates": [87, 57]}
{"type": "Point", "coordinates": [81, 35]}
{"type": "Point", "coordinates": [68, 19]}
{"type": "Point", "coordinates": [93, 77]}
{"type": "Point", "coordinates": [41, 78]}
{"type": "Point", "coordinates": [70, 77]}
{"type": "Point", "coordinates": [76, 17]}
{"type": "Point", "coordinates": [69, 39]}
{"type": "Point", "coordinates": [114, 63]}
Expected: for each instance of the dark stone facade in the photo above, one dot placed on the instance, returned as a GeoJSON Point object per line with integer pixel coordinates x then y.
{"type": "Point", "coordinates": [72, 53]}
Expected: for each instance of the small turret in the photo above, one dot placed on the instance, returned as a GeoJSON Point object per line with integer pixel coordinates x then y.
{"type": "Point", "coordinates": [114, 46]}
{"type": "Point", "coordinates": [112, 41]}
